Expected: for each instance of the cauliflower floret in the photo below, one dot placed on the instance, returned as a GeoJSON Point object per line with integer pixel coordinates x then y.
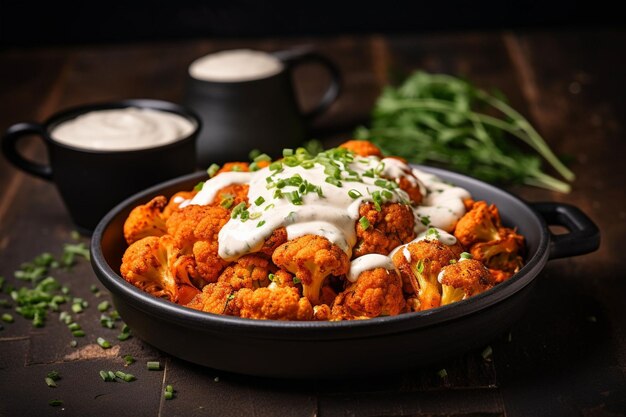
{"type": "Point", "coordinates": [427, 257]}
{"type": "Point", "coordinates": [377, 292]}
{"type": "Point", "coordinates": [388, 228]}
{"type": "Point", "coordinates": [156, 266]}
{"type": "Point", "coordinates": [501, 254]}
{"type": "Point", "coordinates": [480, 224]}
{"type": "Point", "coordinates": [463, 279]}
{"type": "Point", "coordinates": [250, 271]}
{"type": "Point", "coordinates": [273, 304]}
{"type": "Point", "coordinates": [195, 231]}
{"type": "Point", "coordinates": [215, 298]}
{"type": "Point", "coordinates": [362, 148]}
{"type": "Point", "coordinates": [146, 220]}
{"type": "Point", "coordinates": [311, 258]}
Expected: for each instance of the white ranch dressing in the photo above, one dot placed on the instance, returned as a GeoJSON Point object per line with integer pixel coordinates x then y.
{"type": "Point", "coordinates": [123, 129]}
{"type": "Point", "coordinates": [442, 205]}
{"type": "Point", "coordinates": [235, 65]}
{"type": "Point", "coordinates": [369, 262]}
{"type": "Point", "coordinates": [332, 216]}
{"type": "Point", "coordinates": [335, 214]}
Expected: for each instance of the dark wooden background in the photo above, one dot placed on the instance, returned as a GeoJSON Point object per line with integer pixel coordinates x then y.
{"type": "Point", "coordinates": [567, 356]}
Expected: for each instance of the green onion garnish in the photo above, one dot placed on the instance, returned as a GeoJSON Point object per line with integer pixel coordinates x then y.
{"type": "Point", "coordinates": [365, 224]}
{"type": "Point", "coordinates": [466, 255]}
{"type": "Point", "coordinates": [261, 223]}
{"type": "Point", "coordinates": [103, 306]}
{"type": "Point", "coordinates": [296, 280]}
{"type": "Point", "coordinates": [128, 359]}
{"type": "Point", "coordinates": [153, 365]}
{"type": "Point", "coordinates": [260, 200]}
{"type": "Point", "coordinates": [198, 186]}
{"type": "Point", "coordinates": [355, 193]}
{"type": "Point", "coordinates": [104, 344]}
{"type": "Point", "coordinates": [213, 170]}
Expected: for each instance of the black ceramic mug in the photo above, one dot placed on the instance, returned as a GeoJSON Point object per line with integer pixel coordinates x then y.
{"type": "Point", "coordinates": [261, 113]}
{"type": "Point", "coordinates": [91, 182]}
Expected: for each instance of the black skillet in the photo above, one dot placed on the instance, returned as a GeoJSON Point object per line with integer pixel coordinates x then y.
{"type": "Point", "coordinates": [350, 348]}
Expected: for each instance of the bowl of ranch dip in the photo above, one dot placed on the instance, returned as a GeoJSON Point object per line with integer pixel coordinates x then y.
{"type": "Point", "coordinates": [99, 154]}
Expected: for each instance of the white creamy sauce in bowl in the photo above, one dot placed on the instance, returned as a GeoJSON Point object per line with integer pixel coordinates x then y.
{"type": "Point", "coordinates": [123, 129]}
{"type": "Point", "coordinates": [235, 65]}
{"type": "Point", "coordinates": [301, 199]}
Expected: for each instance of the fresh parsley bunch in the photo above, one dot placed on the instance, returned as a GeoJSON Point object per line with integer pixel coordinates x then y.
{"type": "Point", "coordinates": [444, 120]}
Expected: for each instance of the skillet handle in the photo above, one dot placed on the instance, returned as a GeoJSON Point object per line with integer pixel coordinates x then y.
{"type": "Point", "coordinates": [583, 235]}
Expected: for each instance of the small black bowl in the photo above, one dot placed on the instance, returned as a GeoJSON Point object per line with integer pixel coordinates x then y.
{"type": "Point", "coordinates": [349, 348]}
{"type": "Point", "coordinates": [92, 181]}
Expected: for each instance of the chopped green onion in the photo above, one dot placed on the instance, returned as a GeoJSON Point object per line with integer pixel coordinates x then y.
{"type": "Point", "coordinates": [365, 224]}
{"type": "Point", "coordinates": [104, 344]}
{"type": "Point", "coordinates": [104, 375]}
{"type": "Point", "coordinates": [103, 306]}
{"type": "Point", "coordinates": [354, 194]}
{"type": "Point", "coordinates": [168, 395]}
{"type": "Point", "coordinates": [420, 266]}
{"type": "Point", "coordinates": [213, 170]}
{"type": "Point", "coordinates": [169, 388]}
{"type": "Point", "coordinates": [271, 277]}
{"type": "Point", "coordinates": [287, 152]}
{"type": "Point", "coordinates": [253, 154]}
{"type": "Point", "coordinates": [7, 318]}
{"type": "Point", "coordinates": [77, 308]}
{"type": "Point", "coordinates": [334, 181]}
{"type": "Point", "coordinates": [227, 202]}
{"type": "Point", "coordinates": [466, 255]}
{"type": "Point", "coordinates": [262, 158]}
{"type": "Point", "coordinates": [54, 375]}
{"type": "Point", "coordinates": [73, 343]}
{"type": "Point", "coordinates": [260, 200]}
{"type": "Point", "coordinates": [261, 223]}
{"type": "Point", "coordinates": [296, 280]}
{"type": "Point", "coordinates": [198, 186]}
{"type": "Point", "coordinates": [153, 365]}
{"type": "Point", "coordinates": [73, 326]}
{"type": "Point", "coordinates": [78, 333]}
{"type": "Point", "coordinates": [128, 359]}
{"type": "Point", "coordinates": [442, 373]}
{"type": "Point", "coordinates": [50, 382]}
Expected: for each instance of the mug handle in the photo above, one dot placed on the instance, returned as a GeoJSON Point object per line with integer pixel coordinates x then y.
{"type": "Point", "coordinates": [294, 57]}
{"type": "Point", "coordinates": [9, 148]}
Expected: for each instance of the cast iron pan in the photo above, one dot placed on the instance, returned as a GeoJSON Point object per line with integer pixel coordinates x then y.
{"type": "Point", "coordinates": [350, 348]}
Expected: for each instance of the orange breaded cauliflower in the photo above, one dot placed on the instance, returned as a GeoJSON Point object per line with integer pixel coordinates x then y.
{"type": "Point", "coordinates": [311, 258]}
{"type": "Point", "coordinates": [377, 292]}
{"type": "Point", "coordinates": [426, 259]}
{"type": "Point", "coordinates": [502, 254]}
{"type": "Point", "coordinates": [463, 279]}
{"type": "Point", "coordinates": [250, 271]}
{"type": "Point", "coordinates": [480, 224]}
{"type": "Point", "coordinates": [155, 265]}
{"type": "Point", "coordinates": [273, 303]}
{"type": "Point", "coordinates": [362, 148]}
{"type": "Point", "coordinates": [215, 298]}
{"type": "Point", "coordinates": [195, 232]}
{"type": "Point", "coordinates": [388, 228]}
{"type": "Point", "coordinates": [146, 220]}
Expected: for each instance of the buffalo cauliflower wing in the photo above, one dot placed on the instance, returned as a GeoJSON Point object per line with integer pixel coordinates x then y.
{"type": "Point", "coordinates": [311, 258]}
{"type": "Point", "coordinates": [195, 230]}
{"type": "Point", "coordinates": [419, 265]}
{"type": "Point", "coordinates": [376, 292]}
{"type": "Point", "coordinates": [462, 279]}
{"type": "Point", "coordinates": [156, 266]}
{"type": "Point", "coordinates": [480, 224]}
{"type": "Point", "coordinates": [277, 303]}
{"type": "Point", "coordinates": [388, 228]}
{"type": "Point", "coordinates": [146, 220]}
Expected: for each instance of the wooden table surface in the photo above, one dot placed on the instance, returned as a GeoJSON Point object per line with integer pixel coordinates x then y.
{"type": "Point", "coordinates": [566, 356]}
